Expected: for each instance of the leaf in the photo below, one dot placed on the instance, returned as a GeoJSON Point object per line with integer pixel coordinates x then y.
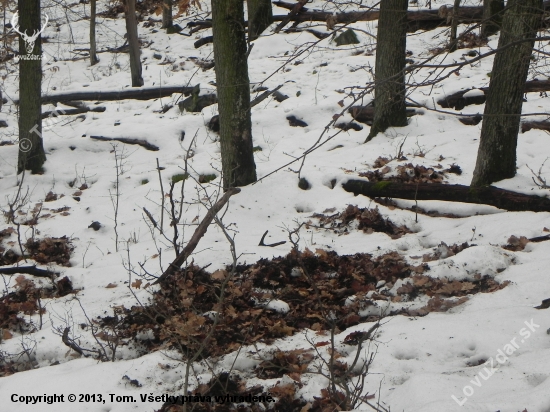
{"type": "Point", "coordinates": [6, 334]}
{"type": "Point", "coordinates": [137, 283]}
{"type": "Point", "coordinates": [219, 274]}
{"type": "Point", "coordinates": [322, 253]}
{"type": "Point", "coordinates": [111, 285]}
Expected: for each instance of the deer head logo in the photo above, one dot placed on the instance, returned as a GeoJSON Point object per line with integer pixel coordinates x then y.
{"type": "Point", "coordinates": [29, 40]}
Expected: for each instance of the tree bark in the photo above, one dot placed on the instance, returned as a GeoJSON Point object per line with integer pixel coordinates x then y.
{"type": "Point", "coordinates": [389, 75]}
{"type": "Point", "coordinates": [31, 150]}
{"type": "Point", "coordinates": [492, 17]}
{"type": "Point", "coordinates": [93, 52]}
{"type": "Point", "coordinates": [496, 158]}
{"type": "Point", "coordinates": [233, 88]}
{"type": "Point", "coordinates": [133, 42]}
{"type": "Point", "coordinates": [167, 14]}
{"type": "Point", "coordinates": [260, 17]}
{"type": "Point", "coordinates": [489, 195]}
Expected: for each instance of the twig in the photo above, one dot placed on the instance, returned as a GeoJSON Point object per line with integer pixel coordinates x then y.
{"type": "Point", "coordinates": [272, 244]}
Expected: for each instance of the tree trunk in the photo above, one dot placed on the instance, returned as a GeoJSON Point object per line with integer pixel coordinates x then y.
{"type": "Point", "coordinates": [93, 54]}
{"type": "Point", "coordinates": [167, 14]}
{"type": "Point", "coordinates": [389, 75]}
{"type": "Point", "coordinates": [492, 17]}
{"type": "Point", "coordinates": [133, 42]}
{"type": "Point", "coordinates": [233, 88]}
{"type": "Point", "coordinates": [31, 150]}
{"type": "Point", "coordinates": [496, 157]}
{"type": "Point", "coordinates": [260, 17]}
{"type": "Point", "coordinates": [453, 44]}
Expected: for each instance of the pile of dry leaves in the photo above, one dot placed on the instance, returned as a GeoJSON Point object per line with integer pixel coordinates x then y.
{"type": "Point", "coordinates": [310, 285]}
{"type": "Point", "coordinates": [408, 173]}
{"type": "Point", "coordinates": [368, 220]}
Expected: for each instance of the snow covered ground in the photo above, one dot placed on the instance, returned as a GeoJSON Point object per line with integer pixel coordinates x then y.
{"type": "Point", "coordinates": [492, 353]}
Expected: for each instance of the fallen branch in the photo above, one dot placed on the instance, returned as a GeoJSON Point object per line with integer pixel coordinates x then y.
{"type": "Point", "coordinates": [70, 343]}
{"type": "Point", "coordinates": [203, 41]}
{"type": "Point", "coordinates": [270, 244]}
{"type": "Point", "coordinates": [490, 195]}
{"type": "Point", "coordinates": [28, 270]}
{"type": "Point", "coordinates": [128, 140]}
{"type": "Point", "coordinates": [264, 96]}
{"type": "Point", "coordinates": [69, 112]}
{"type": "Point", "coordinates": [199, 233]}
{"type": "Point", "coordinates": [136, 94]}
{"type": "Point", "coordinates": [457, 100]}
{"type": "Point", "coordinates": [365, 114]}
{"type": "Point", "coordinates": [294, 11]}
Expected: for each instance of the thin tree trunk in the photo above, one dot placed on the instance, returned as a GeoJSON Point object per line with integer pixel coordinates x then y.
{"type": "Point", "coordinates": [389, 75]}
{"type": "Point", "coordinates": [453, 44]}
{"type": "Point", "coordinates": [496, 157]}
{"type": "Point", "coordinates": [133, 42]}
{"type": "Point", "coordinates": [31, 150]}
{"type": "Point", "coordinates": [492, 17]}
{"type": "Point", "coordinates": [260, 17]}
{"type": "Point", "coordinates": [167, 14]}
{"type": "Point", "coordinates": [93, 54]}
{"type": "Point", "coordinates": [233, 88]}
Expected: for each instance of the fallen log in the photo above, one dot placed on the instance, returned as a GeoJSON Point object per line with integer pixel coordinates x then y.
{"type": "Point", "coordinates": [199, 233]}
{"type": "Point", "coordinates": [416, 19]}
{"type": "Point", "coordinates": [539, 125]}
{"type": "Point", "coordinates": [365, 114]}
{"type": "Point", "coordinates": [128, 140]}
{"type": "Point", "coordinates": [28, 270]}
{"type": "Point", "coordinates": [458, 101]}
{"type": "Point", "coordinates": [503, 199]}
{"type": "Point", "coordinates": [135, 94]}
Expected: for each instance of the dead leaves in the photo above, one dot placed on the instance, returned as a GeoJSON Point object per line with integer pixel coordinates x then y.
{"type": "Point", "coordinates": [292, 363]}
{"type": "Point", "coordinates": [407, 173]}
{"type": "Point", "coordinates": [516, 244]}
{"type": "Point", "coordinates": [368, 220]}
{"type": "Point", "coordinates": [50, 250]}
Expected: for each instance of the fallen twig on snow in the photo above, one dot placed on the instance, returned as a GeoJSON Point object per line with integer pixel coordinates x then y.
{"type": "Point", "coordinates": [128, 140]}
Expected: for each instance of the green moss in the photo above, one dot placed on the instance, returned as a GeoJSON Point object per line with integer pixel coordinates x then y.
{"type": "Point", "coordinates": [144, 181]}
{"type": "Point", "coordinates": [179, 177]}
{"type": "Point", "coordinates": [257, 149]}
{"type": "Point", "coordinates": [381, 185]}
{"type": "Point", "coordinates": [206, 178]}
